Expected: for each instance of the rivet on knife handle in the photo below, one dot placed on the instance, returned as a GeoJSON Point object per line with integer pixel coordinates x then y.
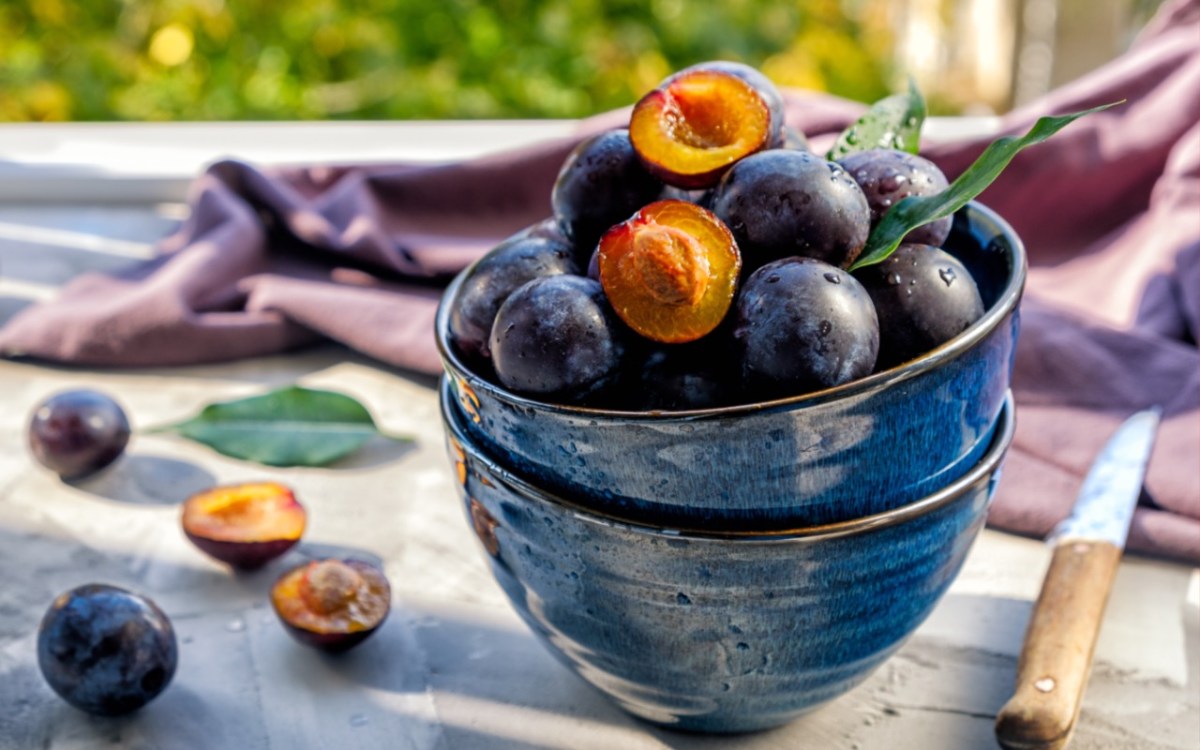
{"type": "Point", "coordinates": [1054, 664]}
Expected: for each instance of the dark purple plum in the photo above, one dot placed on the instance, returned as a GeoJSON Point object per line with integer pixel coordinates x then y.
{"type": "Point", "coordinates": [77, 433]}
{"type": "Point", "coordinates": [558, 338]}
{"type": "Point", "coordinates": [924, 297]}
{"type": "Point", "coordinates": [802, 325]}
{"type": "Point", "coordinates": [106, 650]}
{"type": "Point", "coordinates": [781, 203]}
{"type": "Point", "coordinates": [601, 183]}
{"type": "Point", "coordinates": [489, 282]}
{"type": "Point", "coordinates": [887, 176]}
{"type": "Point", "coordinates": [677, 377]}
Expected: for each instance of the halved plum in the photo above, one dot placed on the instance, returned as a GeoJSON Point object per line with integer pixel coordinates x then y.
{"type": "Point", "coordinates": [670, 272]}
{"type": "Point", "coordinates": [245, 525]}
{"type": "Point", "coordinates": [697, 123]}
{"type": "Point", "coordinates": [332, 604]}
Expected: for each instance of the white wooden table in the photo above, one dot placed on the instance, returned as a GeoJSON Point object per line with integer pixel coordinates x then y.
{"type": "Point", "coordinates": [453, 667]}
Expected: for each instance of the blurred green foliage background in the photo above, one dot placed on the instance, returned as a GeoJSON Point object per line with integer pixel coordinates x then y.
{"type": "Point", "coordinates": [377, 59]}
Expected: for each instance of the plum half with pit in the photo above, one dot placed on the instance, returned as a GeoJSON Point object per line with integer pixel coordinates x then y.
{"type": "Point", "coordinates": [558, 338]}
{"type": "Point", "coordinates": [888, 176]}
{"type": "Point", "coordinates": [78, 432]}
{"type": "Point", "coordinates": [780, 203]}
{"type": "Point", "coordinates": [670, 271]}
{"type": "Point", "coordinates": [105, 650]}
{"type": "Point", "coordinates": [803, 325]}
{"type": "Point", "coordinates": [602, 182]}
{"type": "Point", "coordinates": [244, 525]}
{"type": "Point", "coordinates": [489, 282]}
{"type": "Point", "coordinates": [924, 297]}
{"type": "Point", "coordinates": [332, 604]}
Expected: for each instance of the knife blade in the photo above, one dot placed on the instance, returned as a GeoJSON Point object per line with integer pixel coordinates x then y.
{"type": "Point", "coordinates": [1056, 657]}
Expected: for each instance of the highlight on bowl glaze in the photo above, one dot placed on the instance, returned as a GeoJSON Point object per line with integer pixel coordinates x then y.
{"type": "Point", "coordinates": [857, 449]}
{"type": "Point", "coordinates": [718, 631]}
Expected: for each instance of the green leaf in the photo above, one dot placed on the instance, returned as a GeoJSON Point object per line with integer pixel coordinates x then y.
{"type": "Point", "coordinates": [292, 426]}
{"type": "Point", "coordinates": [894, 122]}
{"type": "Point", "coordinates": [914, 211]}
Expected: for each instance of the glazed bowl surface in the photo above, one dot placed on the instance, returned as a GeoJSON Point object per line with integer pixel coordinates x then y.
{"type": "Point", "coordinates": [718, 631]}
{"type": "Point", "coordinates": [858, 449]}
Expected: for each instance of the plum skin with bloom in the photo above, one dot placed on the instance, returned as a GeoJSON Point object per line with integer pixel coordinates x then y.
{"type": "Point", "coordinates": [105, 650]}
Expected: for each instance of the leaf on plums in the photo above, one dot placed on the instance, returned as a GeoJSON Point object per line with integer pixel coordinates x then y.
{"type": "Point", "coordinates": [894, 122]}
{"type": "Point", "coordinates": [292, 426]}
{"type": "Point", "coordinates": [915, 211]}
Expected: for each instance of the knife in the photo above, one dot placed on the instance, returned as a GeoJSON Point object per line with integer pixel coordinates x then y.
{"type": "Point", "coordinates": [1057, 655]}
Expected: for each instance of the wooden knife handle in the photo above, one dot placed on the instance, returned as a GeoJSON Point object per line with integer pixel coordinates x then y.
{"type": "Point", "coordinates": [1057, 656]}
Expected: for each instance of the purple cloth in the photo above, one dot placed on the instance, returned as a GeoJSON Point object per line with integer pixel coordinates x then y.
{"type": "Point", "coordinates": [1109, 211]}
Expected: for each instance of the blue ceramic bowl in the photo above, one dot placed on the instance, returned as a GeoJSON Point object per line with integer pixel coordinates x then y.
{"type": "Point", "coordinates": [719, 632]}
{"type": "Point", "coordinates": [833, 455]}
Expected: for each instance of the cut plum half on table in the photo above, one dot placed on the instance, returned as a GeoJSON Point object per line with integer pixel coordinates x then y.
{"type": "Point", "coordinates": [332, 604]}
{"type": "Point", "coordinates": [245, 525]}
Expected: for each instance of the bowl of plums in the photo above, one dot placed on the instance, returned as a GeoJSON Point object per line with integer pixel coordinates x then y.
{"type": "Point", "coordinates": [750, 389]}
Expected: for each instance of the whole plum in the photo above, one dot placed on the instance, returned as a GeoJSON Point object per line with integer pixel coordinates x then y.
{"type": "Point", "coordinates": [601, 183]}
{"type": "Point", "coordinates": [924, 297]}
{"type": "Point", "coordinates": [489, 282]}
{"type": "Point", "coordinates": [106, 650]}
{"type": "Point", "coordinates": [557, 337]}
{"type": "Point", "coordinates": [780, 203]}
{"type": "Point", "coordinates": [803, 325]}
{"type": "Point", "coordinates": [77, 433]}
{"type": "Point", "coordinates": [887, 176]}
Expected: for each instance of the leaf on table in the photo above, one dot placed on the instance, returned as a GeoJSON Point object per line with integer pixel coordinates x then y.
{"type": "Point", "coordinates": [893, 122]}
{"type": "Point", "coordinates": [915, 211]}
{"type": "Point", "coordinates": [293, 426]}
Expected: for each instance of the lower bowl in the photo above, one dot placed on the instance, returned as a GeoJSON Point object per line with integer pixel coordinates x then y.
{"type": "Point", "coordinates": [719, 631]}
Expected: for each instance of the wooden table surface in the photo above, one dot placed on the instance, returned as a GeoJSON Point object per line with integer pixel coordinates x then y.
{"type": "Point", "coordinates": [453, 667]}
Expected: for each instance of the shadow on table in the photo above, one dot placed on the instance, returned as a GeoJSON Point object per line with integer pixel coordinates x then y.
{"type": "Point", "coordinates": [147, 479]}
{"type": "Point", "coordinates": [494, 679]}
{"type": "Point", "coordinates": [377, 451]}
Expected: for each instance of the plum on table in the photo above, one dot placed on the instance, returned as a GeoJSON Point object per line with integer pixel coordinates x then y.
{"type": "Point", "coordinates": [105, 650]}
{"type": "Point", "coordinates": [245, 525]}
{"type": "Point", "coordinates": [77, 433]}
{"type": "Point", "coordinates": [332, 604]}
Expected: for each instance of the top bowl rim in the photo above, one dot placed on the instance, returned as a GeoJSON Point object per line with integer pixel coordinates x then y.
{"type": "Point", "coordinates": [1005, 304]}
{"type": "Point", "coordinates": [988, 465]}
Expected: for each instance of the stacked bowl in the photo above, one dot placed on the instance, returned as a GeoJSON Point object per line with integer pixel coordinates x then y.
{"type": "Point", "coordinates": [728, 569]}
